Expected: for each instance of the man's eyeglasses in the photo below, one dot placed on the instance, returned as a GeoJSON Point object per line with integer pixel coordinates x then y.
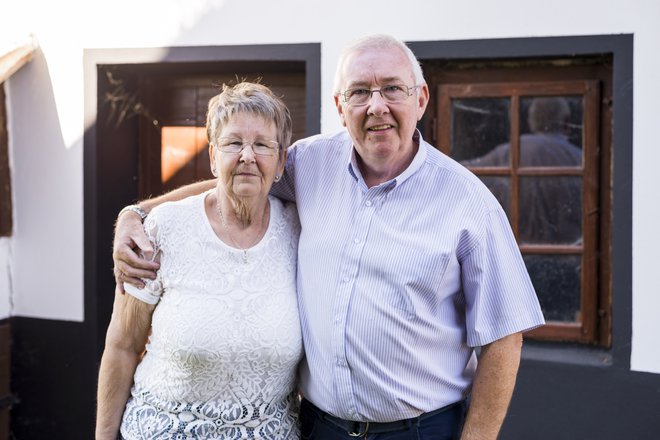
{"type": "Point", "coordinates": [236, 146]}
{"type": "Point", "coordinates": [391, 94]}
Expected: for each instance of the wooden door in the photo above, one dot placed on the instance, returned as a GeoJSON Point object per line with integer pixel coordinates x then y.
{"type": "Point", "coordinates": [173, 144]}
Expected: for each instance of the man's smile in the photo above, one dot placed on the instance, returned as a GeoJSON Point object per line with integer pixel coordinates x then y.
{"type": "Point", "coordinates": [380, 127]}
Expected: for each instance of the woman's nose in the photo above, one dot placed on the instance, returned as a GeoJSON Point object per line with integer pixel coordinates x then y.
{"type": "Point", "coordinates": [247, 154]}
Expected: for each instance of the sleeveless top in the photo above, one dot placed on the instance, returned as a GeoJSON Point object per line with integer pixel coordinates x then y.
{"type": "Point", "coordinates": [221, 359]}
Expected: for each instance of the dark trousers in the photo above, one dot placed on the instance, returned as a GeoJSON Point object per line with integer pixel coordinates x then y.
{"type": "Point", "coordinates": [445, 424]}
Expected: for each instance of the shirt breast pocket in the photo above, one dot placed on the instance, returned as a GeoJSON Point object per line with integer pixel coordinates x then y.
{"type": "Point", "coordinates": [417, 282]}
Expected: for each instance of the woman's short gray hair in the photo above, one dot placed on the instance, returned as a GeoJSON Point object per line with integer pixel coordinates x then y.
{"type": "Point", "coordinates": [251, 98]}
{"type": "Point", "coordinates": [378, 41]}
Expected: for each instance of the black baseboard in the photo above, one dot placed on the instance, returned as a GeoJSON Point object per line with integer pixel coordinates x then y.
{"type": "Point", "coordinates": [53, 379]}
{"type": "Point", "coordinates": [583, 402]}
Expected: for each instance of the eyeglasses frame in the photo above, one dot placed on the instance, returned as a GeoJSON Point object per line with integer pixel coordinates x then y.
{"type": "Point", "coordinates": [409, 92]}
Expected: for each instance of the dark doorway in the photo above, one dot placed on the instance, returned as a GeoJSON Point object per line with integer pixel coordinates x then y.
{"type": "Point", "coordinates": [130, 98]}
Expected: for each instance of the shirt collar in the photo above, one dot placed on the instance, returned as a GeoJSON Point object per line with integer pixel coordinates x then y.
{"type": "Point", "coordinates": [416, 163]}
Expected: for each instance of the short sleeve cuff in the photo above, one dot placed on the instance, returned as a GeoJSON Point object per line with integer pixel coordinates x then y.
{"type": "Point", "coordinates": [150, 294]}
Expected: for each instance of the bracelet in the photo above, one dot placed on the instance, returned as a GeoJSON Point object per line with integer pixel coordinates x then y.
{"type": "Point", "coordinates": [133, 208]}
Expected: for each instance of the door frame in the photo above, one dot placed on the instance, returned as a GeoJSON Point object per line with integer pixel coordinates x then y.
{"type": "Point", "coordinates": [110, 154]}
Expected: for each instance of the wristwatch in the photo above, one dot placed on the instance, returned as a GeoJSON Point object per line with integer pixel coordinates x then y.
{"type": "Point", "coordinates": [134, 208]}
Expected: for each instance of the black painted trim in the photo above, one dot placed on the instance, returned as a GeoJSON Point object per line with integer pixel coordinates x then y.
{"type": "Point", "coordinates": [53, 379]}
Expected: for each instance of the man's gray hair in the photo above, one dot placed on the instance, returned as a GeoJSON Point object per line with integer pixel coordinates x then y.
{"type": "Point", "coordinates": [378, 41]}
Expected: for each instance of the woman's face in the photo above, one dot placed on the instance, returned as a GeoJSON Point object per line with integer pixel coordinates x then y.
{"type": "Point", "coordinates": [247, 174]}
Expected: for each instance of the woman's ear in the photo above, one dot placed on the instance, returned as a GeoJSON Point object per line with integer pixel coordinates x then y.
{"type": "Point", "coordinates": [281, 162]}
{"type": "Point", "coordinates": [214, 171]}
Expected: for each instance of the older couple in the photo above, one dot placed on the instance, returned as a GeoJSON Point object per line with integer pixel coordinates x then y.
{"type": "Point", "coordinates": [400, 276]}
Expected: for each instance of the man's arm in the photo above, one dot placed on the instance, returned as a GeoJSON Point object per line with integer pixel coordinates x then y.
{"type": "Point", "coordinates": [125, 341]}
{"type": "Point", "coordinates": [492, 388]}
{"type": "Point", "coordinates": [130, 238]}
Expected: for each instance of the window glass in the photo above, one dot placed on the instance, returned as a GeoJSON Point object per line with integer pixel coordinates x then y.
{"type": "Point", "coordinates": [501, 189]}
{"type": "Point", "coordinates": [556, 279]}
{"type": "Point", "coordinates": [478, 127]}
{"type": "Point", "coordinates": [551, 131]}
{"type": "Point", "coordinates": [550, 210]}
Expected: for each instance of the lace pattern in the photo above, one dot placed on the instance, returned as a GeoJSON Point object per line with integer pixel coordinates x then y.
{"type": "Point", "coordinates": [226, 340]}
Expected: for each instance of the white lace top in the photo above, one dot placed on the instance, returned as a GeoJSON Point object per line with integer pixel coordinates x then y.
{"type": "Point", "coordinates": [221, 360]}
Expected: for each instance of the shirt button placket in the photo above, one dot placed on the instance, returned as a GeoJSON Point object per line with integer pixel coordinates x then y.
{"type": "Point", "coordinates": [344, 385]}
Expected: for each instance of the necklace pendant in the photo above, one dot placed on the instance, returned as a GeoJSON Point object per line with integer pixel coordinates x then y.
{"type": "Point", "coordinates": [245, 256]}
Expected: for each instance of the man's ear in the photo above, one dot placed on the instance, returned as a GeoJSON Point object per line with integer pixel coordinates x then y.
{"type": "Point", "coordinates": [422, 100]}
{"type": "Point", "coordinates": [340, 110]}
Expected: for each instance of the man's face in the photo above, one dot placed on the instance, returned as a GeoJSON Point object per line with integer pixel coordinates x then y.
{"type": "Point", "coordinates": [382, 132]}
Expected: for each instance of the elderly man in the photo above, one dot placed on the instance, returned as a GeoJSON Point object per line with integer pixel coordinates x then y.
{"type": "Point", "coordinates": [406, 265]}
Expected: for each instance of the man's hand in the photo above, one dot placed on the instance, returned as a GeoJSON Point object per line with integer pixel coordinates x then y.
{"type": "Point", "coordinates": [130, 242]}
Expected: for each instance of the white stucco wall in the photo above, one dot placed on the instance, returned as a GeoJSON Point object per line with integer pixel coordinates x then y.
{"type": "Point", "coordinates": [47, 119]}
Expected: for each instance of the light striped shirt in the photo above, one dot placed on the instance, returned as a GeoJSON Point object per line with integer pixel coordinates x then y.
{"type": "Point", "coordinates": [397, 283]}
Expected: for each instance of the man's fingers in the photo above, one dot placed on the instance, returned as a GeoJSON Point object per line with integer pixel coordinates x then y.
{"type": "Point", "coordinates": [144, 245]}
{"type": "Point", "coordinates": [137, 268]}
{"type": "Point", "coordinates": [127, 260]}
{"type": "Point", "coordinates": [137, 282]}
{"type": "Point", "coordinates": [122, 277]}
{"type": "Point", "coordinates": [132, 252]}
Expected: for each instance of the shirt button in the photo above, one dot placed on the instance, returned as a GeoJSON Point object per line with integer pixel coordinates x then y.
{"type": "Point", "coordinates": [357, 241]}
{"type": "Point", "coordinates": [368, 203]}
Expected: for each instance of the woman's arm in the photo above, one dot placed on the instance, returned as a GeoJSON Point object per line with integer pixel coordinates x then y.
{"type": "Point", "coordinates": [124, 345]}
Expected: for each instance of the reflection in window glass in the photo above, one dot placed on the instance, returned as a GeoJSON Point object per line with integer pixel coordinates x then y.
{"type": "Point", "coordinates": [550, 209]}
{"type": "Point", "coordinates": [478, 126]}
{"type": "Point", "coordinates": [556, 279]}
{"type": "Point", "coordinates": [501, 189]}
{"type": "Point", "coordinates": [551, 131]}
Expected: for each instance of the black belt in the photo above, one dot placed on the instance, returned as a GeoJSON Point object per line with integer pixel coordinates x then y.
{"type": "Point", "coordinates": [360, 429]}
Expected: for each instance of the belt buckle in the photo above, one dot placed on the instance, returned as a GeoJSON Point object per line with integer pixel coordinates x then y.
{"type": "Point", "coordinates": [360, 434]}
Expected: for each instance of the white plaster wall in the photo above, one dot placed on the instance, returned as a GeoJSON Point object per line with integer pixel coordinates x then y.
{"type": "Point", "coordinates": [47, 254]}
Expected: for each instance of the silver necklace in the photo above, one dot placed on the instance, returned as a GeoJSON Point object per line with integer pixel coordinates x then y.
{"type": "Point", "coordinates": [236, 245]}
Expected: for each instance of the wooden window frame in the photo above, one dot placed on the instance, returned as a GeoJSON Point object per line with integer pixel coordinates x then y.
{"type": "Point", "coordinates": [589, 71]}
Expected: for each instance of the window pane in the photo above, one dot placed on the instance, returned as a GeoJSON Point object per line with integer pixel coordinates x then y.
{"type": "Point", "coordinates": [556, 279]}
{"type": "Point", "coordinates": [550, 210]}
{"type": "Point", "coordinates": [478, 126]}
{"type": "Point", "coordinates": [501, 189]}
{"type": "Point", "coordinates": [551, 131]}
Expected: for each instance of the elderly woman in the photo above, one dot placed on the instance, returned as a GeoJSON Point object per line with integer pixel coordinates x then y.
{"type": "Point", "coordinates": [221, 317]}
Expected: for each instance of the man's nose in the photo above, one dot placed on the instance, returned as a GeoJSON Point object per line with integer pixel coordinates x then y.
{"type": "Point", "coordinates": [377, 105]}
